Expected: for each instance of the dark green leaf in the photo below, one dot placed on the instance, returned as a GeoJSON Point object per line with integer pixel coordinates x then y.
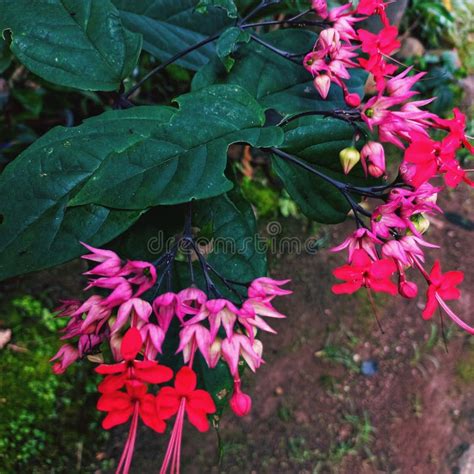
{"type": "Point", "coordinates": [276, 82]}
{"type": "Point", "coordinates": [5, 55]}
{"type": "Point", "coordinates": [227, 5]}
{"type": "Point", "coordinates": [235, 251]}
{"type": "Point", "coordinates": [184, 159]}
{"type": "Point", "coordinates": [36, 186]}
{"type": "Point", "coordinates": [227, 43]}
{"type": "Point", "coordinates": [170, 26]}
{"type": "Point", "coordinates": [318, 141]}
{"type": "Point", "coordinates": [76, 44]}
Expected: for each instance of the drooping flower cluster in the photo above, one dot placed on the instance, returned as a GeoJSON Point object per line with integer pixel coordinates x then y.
{"type": "Point", "coordinates": [392, 242]}
{"type": "Point", "coordinates": [136, 329]}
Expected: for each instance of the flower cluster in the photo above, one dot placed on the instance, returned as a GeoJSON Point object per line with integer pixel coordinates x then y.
{"type": "Point", "coordinates": [392, 242]}
{"type": "Point", "coordinates": [136, 325]}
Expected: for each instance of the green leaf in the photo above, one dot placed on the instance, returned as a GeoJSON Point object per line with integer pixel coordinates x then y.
{"type": "Point", "coordinates": [76, 44]}
{"type": "Point", "coordinates": [276, 82]}
{"type": "Point", "coordinates": [170, 26]}
{"type": "Point", "coordinates": [235, 251]}
{"type": "Point", "coordinates": [184, 159]}
{"type": "Point", "coordinates": [227, 5]}
{"type": "Point", "coordinates": [5, 55]}
{"type": "Point", "coordinates": [36, 186]}
{"type": "Point", "coordinates": [318, 141]}
{"type": "Point", "coordinates": [227, 43]}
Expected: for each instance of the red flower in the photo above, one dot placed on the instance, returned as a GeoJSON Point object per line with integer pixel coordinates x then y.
{"type": "Point", "coordinates": [383, 43]}
{"type": "Point", "coordinates": [422, 153]}
{"type": "Point", "coordinates": [365, 272]}
{"type": "Point", "coordinates": [443, 285]}
{"type": "Point", "coordinates": [121, 405]}
{"type": "Point", "coordinates": [148, 371]}
{"type": "Point", "coordinates": [198, 403]}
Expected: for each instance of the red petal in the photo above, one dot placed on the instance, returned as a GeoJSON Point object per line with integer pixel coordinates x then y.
{"type": "Point", "coordinates": [112, 383]}
{"type": "Point", "coordinates": [114, 401]}
{"type": "Point", "coordinates": [116, 418]}
{"type": "Point", "coordinates": [431, 303]}
{"type": "Point", "coordinates": [149, 414]}
{"type": "Point", "coordinates": [385, 286]}
{"type": "Point", "coordinates": [436, 276]}
{"type": "Point", "coordinates": [201, 400]}
{"type": "Point", "coordinates": [131, 344]}
{"type": "Point", "coordinates": [167, 402]}
{"type": "Point", "coordinates": [360, 258]}
{"type": "Point", "coordinates": [346, 288]}
{"type": "Point", "coordinates": [452, 279]}
{"type": "Point", "coordinates": [152, 374]}
{"type": "Point", "coordinates": [185, 381]}
{"type": "Point", "coordinates": [197, 418]}
{"type": "Point", "coordinates": [383, 268]}
{"type": "Point", "coordinates": [105, 369]}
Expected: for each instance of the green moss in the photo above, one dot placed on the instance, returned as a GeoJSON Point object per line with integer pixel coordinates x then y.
{"type": "Point", "coordinates": [44, 417]}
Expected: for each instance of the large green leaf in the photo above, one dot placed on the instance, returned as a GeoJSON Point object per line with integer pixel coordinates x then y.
{"type": "Point", "coordinates": [36, 225]}
{"type": "Point", "coordinates": [170, 26]}
{"type": "Point", "coordinates": [77, 44]}
{"type": "Point", "coordinates": [236, 253]}
{"type": "Point", "coordinates": [274, 81]}
{"type": "Point", "coordinates": [184, 159]}
{"type": "Point", "coordinates": [317, 141]}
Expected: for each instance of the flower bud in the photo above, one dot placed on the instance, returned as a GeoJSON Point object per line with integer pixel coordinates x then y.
{"type": "Point", "coordinates": [240, 403]}
{"type": "Point", "coordinates": [373, 159]}
{"type": "Point", "coordinates": [420, 222]}
{"type": "Point", "coordinates": [352, 100]}
{"type": "Point", "coordinates": [322, 84]}
{"type": "Point", "coordinates": [408, 289]}
{"type": "Point", "coordinates": [349, 157]}
{"type": "Point", "coordinates": [320, 7]}
{"type": "Point", "coordinates": [329, 39]}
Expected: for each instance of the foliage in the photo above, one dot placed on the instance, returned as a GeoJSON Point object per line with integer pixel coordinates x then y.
{"type": "Point", "coordinates": [46, 421]}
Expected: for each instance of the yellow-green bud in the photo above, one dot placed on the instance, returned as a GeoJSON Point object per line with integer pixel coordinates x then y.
{"type": "Point", "coordinates": [420, 222]}
{"type": "Point", "coordinates": [349, 157]}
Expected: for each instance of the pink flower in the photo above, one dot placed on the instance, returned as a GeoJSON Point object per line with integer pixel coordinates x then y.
{"type": "Point", "coordinates": [252, 311]}
{"type": "Point", "coordinates": [373, 159]}
{"type": "Point", "coordinates": [153, 337]}
{"type": "Point", "coordinates": [110, 263]}
{"type": "Point", "coordinates": [365, 272]}
{"type": "Point", "coordinates": [384, 219]}
{"type": "Point", "coordinates": [135, 312]}
{"type": "Point", "coordinates": [241, 345]}
{"type": "Point", "coordinates": [165, 308]}
{"type": "Point", "coordinates": [320, 7]}
{"type": "Point", "coordinates": [191, 338]}
{"type": "Point", "coordinates": [121, 290]}
{"type": "Point", "coordinates": [140, 273]}
{"type": "Point", "coordinates": [189, 302]}
{"type": "Point", "coordinates": [267, 287]}
{"type": "Point", "coordinates": [218, 312]}
{"type": "Point", "coordinates": [66, 356]}
{"type": "Point", "coordinates": [361, 239]}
